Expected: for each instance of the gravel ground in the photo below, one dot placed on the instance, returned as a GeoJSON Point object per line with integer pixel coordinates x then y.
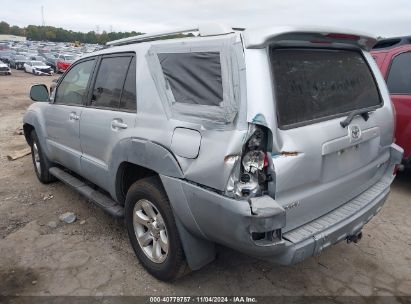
{"type": "Point", "coordinates": [40, 255]}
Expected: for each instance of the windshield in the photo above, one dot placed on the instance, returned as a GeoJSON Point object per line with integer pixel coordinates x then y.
{"type": "Point", "coordinates": [316, 84]}
{"type": "Point", "coordinates": [21, 57]}
{"type": "Point", "coordinates": [37, 63]}
{"type": "Point", "coordinates": [69, 57]}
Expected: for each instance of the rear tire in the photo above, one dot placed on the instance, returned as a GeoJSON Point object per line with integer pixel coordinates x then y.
{"type": "Point", "coordinates": [40, 161]}
{"type": "Point", "coordinates": [157, 230]}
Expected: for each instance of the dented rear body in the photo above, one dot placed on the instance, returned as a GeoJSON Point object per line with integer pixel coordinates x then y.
{"type": "Point", "coordinates": [313, 182]}
{"type": "Point", "coordinates": [275, 142]}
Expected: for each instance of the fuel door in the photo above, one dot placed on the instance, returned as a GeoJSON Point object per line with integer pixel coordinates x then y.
{"type": "Point", "coordinates": [186, 142]}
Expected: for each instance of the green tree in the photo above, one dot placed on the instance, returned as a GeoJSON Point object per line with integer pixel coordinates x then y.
{"type": "Point", "coordinates": [4, 27]}
{"type": "Point", "coordinates": [50, 33]}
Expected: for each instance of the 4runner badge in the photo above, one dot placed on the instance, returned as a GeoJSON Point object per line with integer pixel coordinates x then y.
{"type": "Point", "coordinates": [354, 132]}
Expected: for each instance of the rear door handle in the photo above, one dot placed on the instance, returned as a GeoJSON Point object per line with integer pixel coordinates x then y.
{"type": "Point", "coordinates": [118, 124]}
{"type": "Point", "coordinates": [74, 116]}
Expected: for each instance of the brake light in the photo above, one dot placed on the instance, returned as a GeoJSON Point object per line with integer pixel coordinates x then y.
{"type": "Point", "coordinates": [342, 36]}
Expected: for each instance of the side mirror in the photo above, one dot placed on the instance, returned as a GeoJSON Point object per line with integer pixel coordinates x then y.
{"type": "Point", "coordinates": [39, 92]}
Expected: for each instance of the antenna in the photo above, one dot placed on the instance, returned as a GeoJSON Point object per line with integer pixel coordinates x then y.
{"type": "Point", "coordinates": [43, 23]}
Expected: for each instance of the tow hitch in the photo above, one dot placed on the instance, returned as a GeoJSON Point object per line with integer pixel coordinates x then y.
{"type": "Point", "coordinates": [354, 238]}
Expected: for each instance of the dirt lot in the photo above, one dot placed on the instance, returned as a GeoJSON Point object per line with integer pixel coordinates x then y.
{"type": "Point", "coordinates": [92, 256]}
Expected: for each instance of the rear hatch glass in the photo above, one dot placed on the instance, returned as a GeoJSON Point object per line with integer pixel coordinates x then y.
{"type": "Point", "coordinates": [318, 84]}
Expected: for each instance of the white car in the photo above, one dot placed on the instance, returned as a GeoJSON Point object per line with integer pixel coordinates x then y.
{"type": "Point", "coordinates": [38, 68]}
{"type": "Point", "coordinates": [4, 69]}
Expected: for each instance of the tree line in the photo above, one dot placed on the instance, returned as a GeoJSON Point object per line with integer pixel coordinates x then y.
{"type": "Point", "coordinates": [54, 34]}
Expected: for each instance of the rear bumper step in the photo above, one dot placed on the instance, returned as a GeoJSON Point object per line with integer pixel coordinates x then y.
{"type": "Point", "coordinates": [346, 211]}
{"type": "Point", "coordinates": [101, 200]}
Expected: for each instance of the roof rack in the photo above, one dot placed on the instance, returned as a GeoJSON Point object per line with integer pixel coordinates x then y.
{"type": "Point", "coordinates": [386, 43]}
{"type": "Point", "coordinates": [205, 29]}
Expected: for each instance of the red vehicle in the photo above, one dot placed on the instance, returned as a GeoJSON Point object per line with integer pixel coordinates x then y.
{"type": "Point", "coordinates": [393, 57]}
{"type": "Point", "coordinates": [63, 62]}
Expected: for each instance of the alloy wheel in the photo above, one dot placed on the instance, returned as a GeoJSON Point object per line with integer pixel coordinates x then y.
{"type": "Point", "coordinates": [150, 230]}
{"type": "Point", "coordinates": [36, 157]}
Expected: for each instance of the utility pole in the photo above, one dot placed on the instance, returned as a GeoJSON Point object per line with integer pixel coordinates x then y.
{"type": "Point", "coordinates": [43, 23]}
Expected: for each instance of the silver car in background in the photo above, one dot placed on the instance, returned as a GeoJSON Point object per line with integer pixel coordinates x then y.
{"type": "Point", "coordinates": [276, 142]}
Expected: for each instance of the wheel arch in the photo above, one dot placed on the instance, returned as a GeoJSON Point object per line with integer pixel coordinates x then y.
{"type": "Point", "coordinates": [134, 159]}
{"type": "Point", "coordinates": [27, 129]}
{"type": "Point", "coordinates": [145, 158]}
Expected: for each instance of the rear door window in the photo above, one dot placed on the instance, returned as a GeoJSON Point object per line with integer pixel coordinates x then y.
{"type": "Point", "coordinates": [399, 77]}
{"type": "Point", "coordinates": [317, 84]}
{"type": "Point", "coordinates": [109, 82]}
{"type": "Point", "coordinates": [128, 97]}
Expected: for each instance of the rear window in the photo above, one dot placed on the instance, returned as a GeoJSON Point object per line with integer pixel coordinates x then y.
{"type": "Point", "coordinates": [316, 84]}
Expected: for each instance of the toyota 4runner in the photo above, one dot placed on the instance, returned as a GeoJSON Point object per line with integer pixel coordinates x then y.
{"type": "Point", "coordinates": [277, 142]}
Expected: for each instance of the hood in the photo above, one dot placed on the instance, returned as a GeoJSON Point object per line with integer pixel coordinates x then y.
{"type": "Point", "coordinates": [3, 65]}
{"type": "Point", "coordinates": [42, 67]}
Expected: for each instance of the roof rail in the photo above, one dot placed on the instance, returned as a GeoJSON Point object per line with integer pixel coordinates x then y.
{"type": "Point", "coordinates": [205, 29]}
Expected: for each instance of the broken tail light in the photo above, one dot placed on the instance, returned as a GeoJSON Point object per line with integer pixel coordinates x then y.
{"type": "Point", "coordinates": [250, 175]}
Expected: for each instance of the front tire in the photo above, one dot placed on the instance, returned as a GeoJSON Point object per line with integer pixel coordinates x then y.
{"type": "Point", "coordinates": [40, 161]}
{"type": "Point", "coordinates": [152, 230]}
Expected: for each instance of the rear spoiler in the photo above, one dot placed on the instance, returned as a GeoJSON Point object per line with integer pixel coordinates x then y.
{"type": "Point", "coordinates": [260, 38]}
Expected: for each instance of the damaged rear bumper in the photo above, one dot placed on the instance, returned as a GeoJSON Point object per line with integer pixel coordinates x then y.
{"type": "Point", "coordinates": [254, 227]}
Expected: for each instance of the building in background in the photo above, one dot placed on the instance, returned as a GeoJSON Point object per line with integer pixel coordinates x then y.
{"type": "Point", "coordinates": [12, 38]}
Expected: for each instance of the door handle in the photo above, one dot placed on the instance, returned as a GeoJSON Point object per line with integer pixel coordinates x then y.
{"type": "Point", "coordinates": [74, 116]}
{"type": "Point", "coordinates": [118, 124]}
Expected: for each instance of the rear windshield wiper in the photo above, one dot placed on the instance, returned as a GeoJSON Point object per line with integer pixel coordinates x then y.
{"type": "Point", "coordinates": [363, 113]}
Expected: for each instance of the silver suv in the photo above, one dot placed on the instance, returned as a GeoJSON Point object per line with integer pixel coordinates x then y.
{"type": "Point", "coordinates": [277, 142]}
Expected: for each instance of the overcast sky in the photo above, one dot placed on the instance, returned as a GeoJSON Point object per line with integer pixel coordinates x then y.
{"type": "Point", "coordinates": [378, 17]}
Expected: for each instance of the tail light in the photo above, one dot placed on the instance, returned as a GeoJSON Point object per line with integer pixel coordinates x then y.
{"type": "Point", "coordinates": [251, 178]}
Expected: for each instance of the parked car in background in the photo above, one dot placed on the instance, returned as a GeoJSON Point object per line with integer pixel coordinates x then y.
{"type": "Point", "coordinates": [63, 62]}
{"type": "Point", "coordinates": [18, 61]}
{"type": "Point", "coordinates": [4, 69]}
{"type": "Point", "coordinates": [280, 146]}
{"type": "Point", "coordinates": [51, 60]}
{"type": "Point", "coordinates": [5, 56]}
{"type": "Point", "coordinates": [53, 84]}
{"type": "Point", "coordinates": [38, 68]}
{"type": "Point", "coordinates": [393, 57]}
{"type": "Point", "coordinates": [37, 58]}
